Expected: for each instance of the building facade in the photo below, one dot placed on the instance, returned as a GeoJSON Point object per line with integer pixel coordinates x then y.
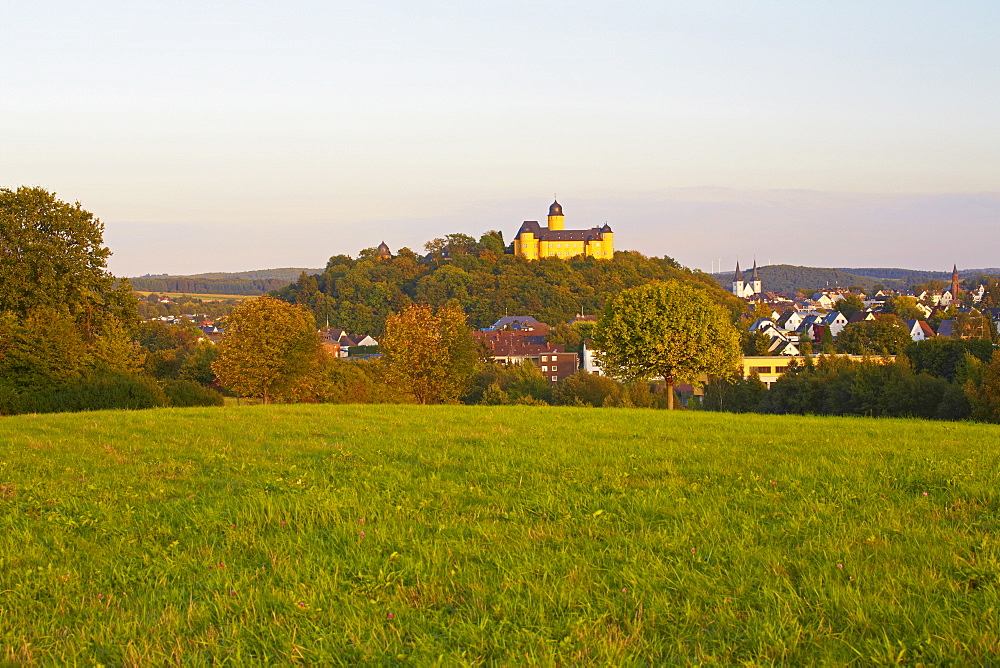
{"type": "Point", "coordinates": [534, 242]}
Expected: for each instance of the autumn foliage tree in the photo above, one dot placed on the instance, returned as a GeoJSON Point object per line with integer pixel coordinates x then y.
{"type": "Point", "coordinates": [271, 350]}
{"type": "Point", "coordinates": [668, 329]}
{"type": "Point", "coordinates": [430, 354]}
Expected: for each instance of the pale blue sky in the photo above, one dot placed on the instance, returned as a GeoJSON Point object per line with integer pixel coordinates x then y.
{"type": "Point", "coordinates": [283, 134]}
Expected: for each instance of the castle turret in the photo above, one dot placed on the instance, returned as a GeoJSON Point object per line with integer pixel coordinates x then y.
{"type": "Point", "coordinates": [556, 219]}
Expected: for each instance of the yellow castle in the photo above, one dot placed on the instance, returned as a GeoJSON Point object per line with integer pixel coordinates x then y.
{"type": "Point", "coordinates": [534, 241]}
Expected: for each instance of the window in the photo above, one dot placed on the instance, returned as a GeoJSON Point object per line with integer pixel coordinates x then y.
{"type": "Point", "coordinates": [545, 358]}
{"type": "Point", "coordinates": [545, 368]}
{"type": "Point", "coordinates": [760, 369]}
{"type": "Point", "coordinates": [555, 379]}
{"type": "Point", "coordinates": [554, 367]}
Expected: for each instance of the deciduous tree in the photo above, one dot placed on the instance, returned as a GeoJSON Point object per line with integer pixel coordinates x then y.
{"type": "Point", "coordinates": [432, 355]}
{"type": "Point", "coordinates": [668, 329]}
{"type": "Point", "coordinates": [874, 337]}
{"type": "Point", "coordinates": [52, 255]}
{"type": "Point", "coordinates": [270, 349]}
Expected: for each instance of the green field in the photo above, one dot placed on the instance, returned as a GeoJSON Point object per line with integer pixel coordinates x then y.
{"type": "Point", "coordinates": [495, 535]}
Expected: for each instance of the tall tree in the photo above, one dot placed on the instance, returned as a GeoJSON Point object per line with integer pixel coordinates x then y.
{"type": "Point", "coordinates": [668, 329]}
{"type": "Point", "coordinates": [52, 255]}
{"type": "Point", "coordinates": [270, 350]}
{"type": "Point", "coordinates": [432, 355]}
{"type": "Point", "coordinates": [874, 337]}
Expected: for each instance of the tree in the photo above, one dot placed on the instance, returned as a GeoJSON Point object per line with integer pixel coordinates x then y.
{"type": "Point", "coordinates": [874, 337]}
{"type": "Point", "coordinates": [668, 329]}
{"type": "Point", "coordinates": [52, 256]}
{"type": "Point", "coordinates": [270, 350]}
{"type": "Point", "coordinates": [431, 355]}
{"type": "Point", "coordinates": [850, 305]}
{"type": "Point", "coordinates": [904, 307]}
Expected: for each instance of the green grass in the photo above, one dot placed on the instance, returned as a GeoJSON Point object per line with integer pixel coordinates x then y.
{"type": "Point", "coordinates": [506, 535]}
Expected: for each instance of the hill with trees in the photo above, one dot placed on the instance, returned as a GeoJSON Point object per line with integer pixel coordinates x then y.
{"type": "Point", "coordinates": [250, 283]}
{"type": "Point", "coordinates": [359, 294]}
{"type": "Point", "coordinates": [787, 278]}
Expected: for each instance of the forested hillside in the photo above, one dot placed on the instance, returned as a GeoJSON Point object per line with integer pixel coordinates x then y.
{"type": "Point", "coordinates": [789, 278]}
{"type": "Point", "coordinates": [255, 282]}
{"type": "Point", "coordinates": [358, 295]}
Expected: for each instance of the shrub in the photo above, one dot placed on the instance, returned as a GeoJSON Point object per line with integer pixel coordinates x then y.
{"type": "Point", "coordinates": [102, 392]}
{"type": "Point", "coordinates": [182, 393]}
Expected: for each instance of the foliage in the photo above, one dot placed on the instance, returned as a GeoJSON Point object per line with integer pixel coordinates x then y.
{"type": "Point", "coordinates": [734, 395]}
{"type": "Point", "coordinates": [943, 357]}
{"type": "Point", "coordinates": [882, 336]}
{"type": "Point", "coordinates": [40, 350]}
{"type": "Point", "coordinates": [840, 386]}
{"type": "Point", "coordinates": [985, 394]}
{"type": "Point", "coordinates": [516, 381]}
{"type": "Point", "coordinates": [358, 295]}
{"type": "Point", "coordinates": [88, 392]}
{"type": "Point", "coordinates": [52, 257]}
{"type": "Point", "coordinates": [755, 343]}
{"type": "Point", "coordinates": [903, 307]}
{"type": "Point", "coordinates": [611, 537]}
{"type": "Point", "coordinates": [850, 305]}
{"type": "Point", "coordinates": [360, 382]}
{"type": "Point", "coordinates": [186, 393]}
{"type": "Point", "coordinates": [271, 350]}
{"type": "Point", "coordinates": [431, 355]}
{"type": "Point", "coordinates": [667, 329]}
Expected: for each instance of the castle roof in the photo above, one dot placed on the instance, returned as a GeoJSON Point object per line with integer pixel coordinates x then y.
{"type": "Point", "coordinates": [383, 249]}
{"type": "Point", "coordinates": [545, 234]}
{"type": "Point", "coordinates": [555, 209]}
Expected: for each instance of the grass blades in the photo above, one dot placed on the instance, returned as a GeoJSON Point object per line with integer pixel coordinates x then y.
{"type": "Point", "coordinates": [482, 535]}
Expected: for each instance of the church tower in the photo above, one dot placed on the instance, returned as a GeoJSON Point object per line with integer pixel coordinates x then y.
{"type": "Point", "coordinates": [756, 279]}
{"type": "Point", "coordinates": [556, 219]}
{"type": "Point", "coordinates": [954, 282]}
{"type": "Point", "coordinates": [738, 281]}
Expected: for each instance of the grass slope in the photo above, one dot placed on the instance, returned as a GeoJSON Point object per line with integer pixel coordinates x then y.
{"type": "Point", "coordinates": [464, 535]}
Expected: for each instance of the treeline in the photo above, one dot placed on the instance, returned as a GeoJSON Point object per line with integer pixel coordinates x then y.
{"type": "Point", "coordinates": [359, 294]}
{"type": "Point", "coordinates": [943, 379]}
{"type": "Point", "coordinates": [208, 286]}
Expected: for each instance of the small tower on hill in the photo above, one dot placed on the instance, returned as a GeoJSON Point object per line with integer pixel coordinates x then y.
{"type": "Point", "coordinates": [383, 252]}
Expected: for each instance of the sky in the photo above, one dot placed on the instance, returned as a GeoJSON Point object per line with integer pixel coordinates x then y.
{"type": "Point", "coordinates": [228, 136]}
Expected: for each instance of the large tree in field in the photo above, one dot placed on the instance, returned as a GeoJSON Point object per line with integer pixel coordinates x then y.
{"type": "Point", "coordinates": [270, 349]}
{"type": "Point", "coordinates": [668, 329]}
{"type": "Point", "coordinates": [431, 355]}
{"type": "Point", "coordinates": [52, 257]}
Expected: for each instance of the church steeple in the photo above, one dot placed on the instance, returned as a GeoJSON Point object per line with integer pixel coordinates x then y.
{"type": "Point", "coordinates": [954, 282]}
{"type": "Point", "coordinates": [738, 281]}
{"type": "Point", "coordinates": [756, 279]}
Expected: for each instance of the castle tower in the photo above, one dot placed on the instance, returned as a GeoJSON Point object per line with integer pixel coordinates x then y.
{"type": "Point", "coordinates": [756, 279]}
{"type": "Point", "coordinates": [738, 281]}
{"type": "Point", "coordinates": [556, 220]}
{"type": "Point", "coordinates": [954, 282]}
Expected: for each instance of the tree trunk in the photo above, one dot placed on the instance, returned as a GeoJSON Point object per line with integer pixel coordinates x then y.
{"type": "Point", "coordinates": [670, 393]}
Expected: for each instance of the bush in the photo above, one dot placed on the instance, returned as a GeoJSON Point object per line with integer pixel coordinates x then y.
{"type": "Point", "coordinates": [103, 392]}
{"type": "Point", "coordinates": [183, 393]}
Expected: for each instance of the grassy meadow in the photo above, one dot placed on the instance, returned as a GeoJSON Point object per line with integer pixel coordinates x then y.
{"type": "Point", "coordinates": [495, 535]}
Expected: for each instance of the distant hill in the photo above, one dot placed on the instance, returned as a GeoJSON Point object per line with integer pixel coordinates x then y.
{"type": "Point", "coordinates": [788, 278]}
{"type": "Point", "coordinates": [255, 282]}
